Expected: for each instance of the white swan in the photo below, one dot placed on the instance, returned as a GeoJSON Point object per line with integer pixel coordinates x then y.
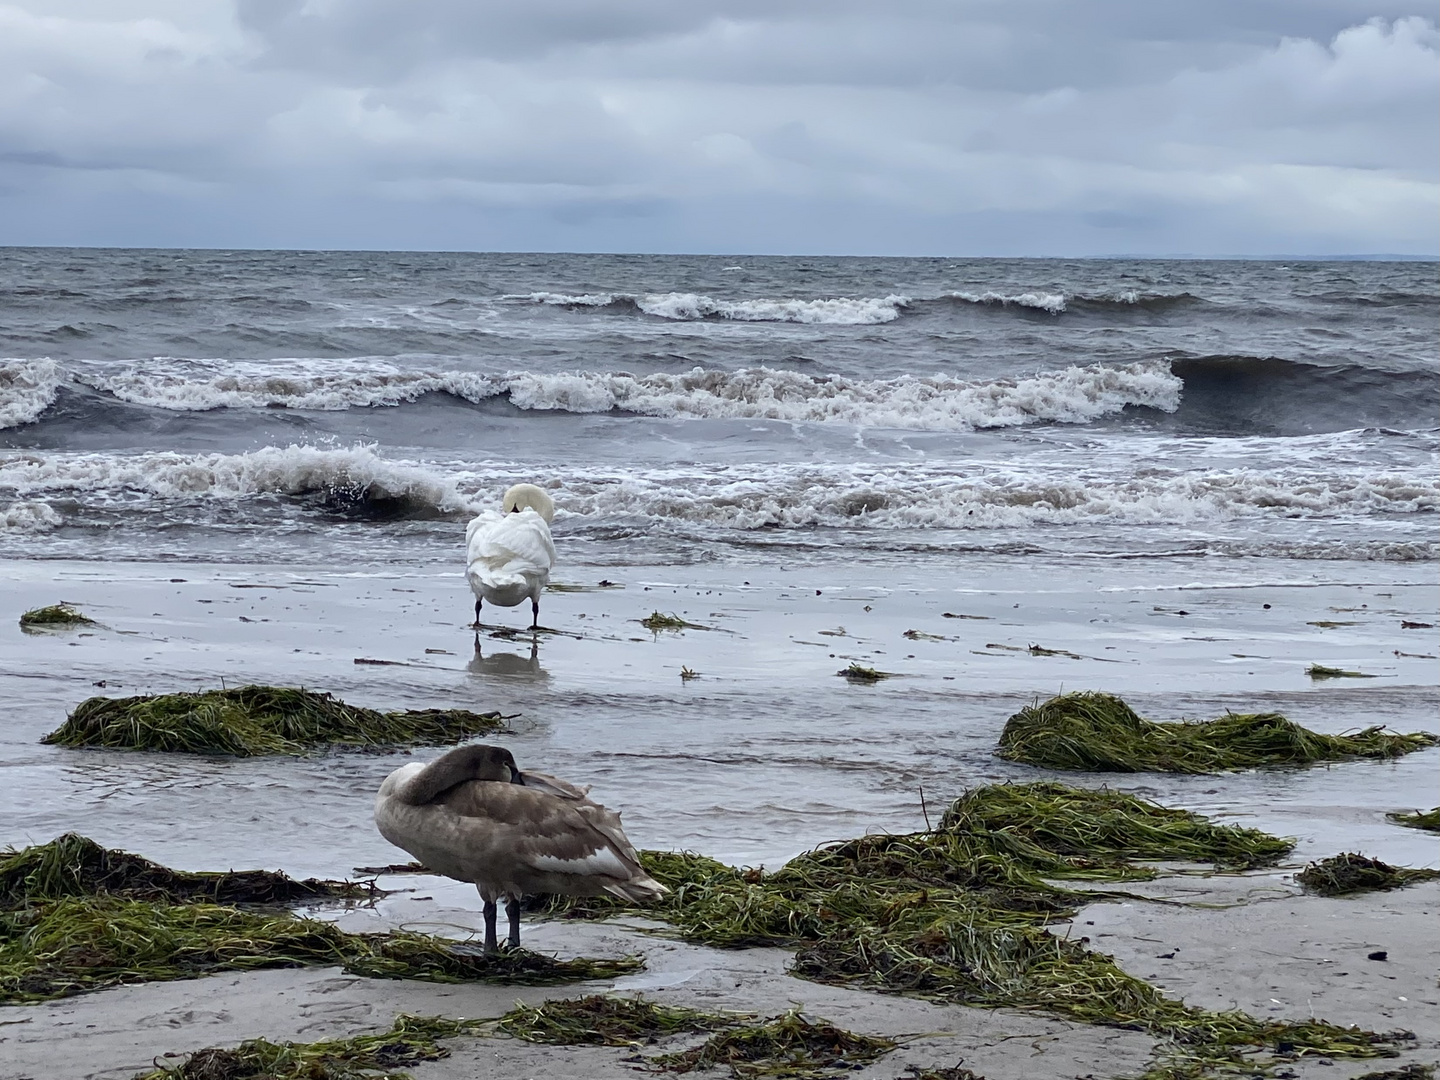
{"type": "Point", "coordinates": [508, 556]}
{"type": "Point", "coordinates": [471, 815]}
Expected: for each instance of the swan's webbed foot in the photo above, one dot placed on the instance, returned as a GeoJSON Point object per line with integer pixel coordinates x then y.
{"type": "Point", "coordinates": [476, 624]}
{"type": "Point", "coordinates": [535, 609]}
{"type": "Point", "coordinates": [491, 945]}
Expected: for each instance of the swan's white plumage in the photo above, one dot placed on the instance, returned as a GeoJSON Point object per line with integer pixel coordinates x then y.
{"type": "Point", "coordinates": [508, 556]}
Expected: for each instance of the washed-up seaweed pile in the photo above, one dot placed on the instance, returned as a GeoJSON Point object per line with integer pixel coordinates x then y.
{"type": "Point", "coordinates": [1100, 733]}
{"type": "Point", "coordinates": [77, 917]}
{"type": "Point", "coordinates": [603, 1020]}
{"type": "Point", "coordinates": [1429, 820]}
{"type": "Point", "coordinates": [411, 1040]}
{"type": "Point", "coordinates": [957, 914]}
{"type": "Point", "coordinates": [250, 720]}
{"type": "Point", "coordinates": [790, 1045]}
{"type": "Point", "coordinates": [1341, 875]}
{"type": "Point", "coordinates": [54, 617]}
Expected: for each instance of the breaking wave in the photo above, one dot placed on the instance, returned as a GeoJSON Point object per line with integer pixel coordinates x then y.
{"type": "Point", "coordinates": [355, 480]}
{"type": "Point", "coordinates": [359, 482]}
{"type": "Point", "coordinates": [690, 307]}
{"type": "Point", "coordinates": [844, 311]}
{"type": "Point", "coordinates": [27, 389]}
{"type": "Point", "coordinates": [934, 403]}
{"type": "Point", "coordinates": [28, 517]}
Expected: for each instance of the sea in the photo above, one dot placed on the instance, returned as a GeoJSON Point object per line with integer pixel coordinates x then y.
{"type": "Point", "coordinates": [862, 423]}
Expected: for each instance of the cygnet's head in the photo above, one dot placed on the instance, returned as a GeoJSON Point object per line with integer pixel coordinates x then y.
{"type": "Point", "coordinates": [529, 497]}
{"type": "Point", "coordinates": [484, 762]}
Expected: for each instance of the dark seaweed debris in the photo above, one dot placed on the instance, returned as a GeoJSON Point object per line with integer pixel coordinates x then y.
{"type": "Point", "coordinates": [1341, 875]}
{"type": "Point", "coordinates": [602, 1020]}
{"type": "Point", "coordinates": [791, 1045]}
{"type": "Point", "coordinates": [1429, 820]}
{"type": "Point", "coordinates": [76, 917]}
{"type": "Point", "coordinates": [74, 865]}
{"type": "Point", "coordinates": [958, 914]}
{"type": "Point", "coordinates": [1099, 732]}
{"type": "Point", "coordinates": [54, 617]}
{"type": "Point", "coordinates": [250, 720]}
{"type": "Point", "coordinates": [411, 1040]}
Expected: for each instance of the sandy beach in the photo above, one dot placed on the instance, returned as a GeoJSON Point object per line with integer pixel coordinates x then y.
{"type": "Point", "coordinates": [765, 754]}
{"type": "Point", "coordinates": [1258, 946]}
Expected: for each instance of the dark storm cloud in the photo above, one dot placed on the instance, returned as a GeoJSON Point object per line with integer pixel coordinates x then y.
{"type": "Point", "coordinates": [1029, 127]}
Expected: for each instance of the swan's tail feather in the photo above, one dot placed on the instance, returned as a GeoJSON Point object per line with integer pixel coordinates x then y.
{"type": "Point", "coordinates": [640, 889]}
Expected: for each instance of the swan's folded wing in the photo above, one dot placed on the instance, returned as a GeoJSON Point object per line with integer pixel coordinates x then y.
{"type": "Point", "coordinates": [512, 544]}
{"type": "Point", "coordinates": [548, 834]}
{"type": "Point", "coordinates": [553, 785]}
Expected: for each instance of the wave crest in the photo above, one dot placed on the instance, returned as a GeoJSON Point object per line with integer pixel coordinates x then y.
{"type": "Point", "coordinates": [692, 307]}
{"type": "Point", "coordinates": [936, 403]}
{"type": "Point", "coordinates": [29, 517]}
{"type": "Point", "coordinates": [355, 480]}
{"type": "Point", "coordinates": [27, 389]}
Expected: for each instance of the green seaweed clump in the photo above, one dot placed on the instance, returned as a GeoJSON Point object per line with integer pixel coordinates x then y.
{"type": "Point", "coordinates": [1100, 733]}
{"type": "Point", "coordinates": [858, 672]}
{"type": "Point", "coordinates": [76, 917]}
{"type": "Point", "coordinates": [787, 1046]}
{"type": "Point", "coordinates": [410, 1040]}
{"type": "Point", "coordinates": [1341, 875]}
{"type": "Point", "coordinates": [76, 944]}
{"type": "Point", "coordinates": [1320, 671]}
{"type": "Point", "coordinates": [74, 865]}
{"type": "Point", "coordinates": [958, 914]}
{"type": "Point", "coordinates": [53, 617]}
{"type": "Point", "coordinates": [251, 720]}
{"type": "Point", "coordinates": [1429, 820]}
{"type": "Point", "coordinates": [657, 621]}
{"type": "Point", "coordinates": [1412, 1071]}
{"type": "Point", "coordinates": [601, 1020]}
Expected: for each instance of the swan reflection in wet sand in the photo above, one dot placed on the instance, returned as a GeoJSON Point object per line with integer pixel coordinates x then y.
{"type": "Point", "coordinates": [509, 665]}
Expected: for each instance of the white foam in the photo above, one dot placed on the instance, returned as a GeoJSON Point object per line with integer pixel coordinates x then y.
{"type": "Point", "coordinates": [29, 517]}
{"type": "Point", "coordinates": [842, 311]}
{"type": "Point", "coordinates": [987, 496]}
{"type": "Point", "coordinates": [27, 388]}
{"type": "Point", "coordinates": [319, 384]}
{"type": "Point", "coordinates": [356, 472]}
{"type": "Point", "coordinates": [689, 307]}
{"type": "Point", "coordinates": [1054, 303]}
{"type": "Point", "coordinates": [935, 403]}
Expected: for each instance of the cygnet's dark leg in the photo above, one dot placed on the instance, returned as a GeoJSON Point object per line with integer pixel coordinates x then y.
{"type": "Point", "coordinates": [476, 625]}
{"type": "Point", "coordinates": [512, 908]}
{"type": "Point", "coordinates": [535, 607]}
{"type": "Point", "coordinates": [491, 945]}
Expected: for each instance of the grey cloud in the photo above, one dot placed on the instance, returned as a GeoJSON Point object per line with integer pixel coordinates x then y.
{"type": "Point", "coordinates": [792, 124]}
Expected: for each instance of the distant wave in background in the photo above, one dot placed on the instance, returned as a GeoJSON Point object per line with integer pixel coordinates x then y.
{"type": "Point", "coordinates": [937, 403]}
{"type": "Point", "coordinates": [1233, 393]}
{"type": "Point", "coordinates": [845, 311]}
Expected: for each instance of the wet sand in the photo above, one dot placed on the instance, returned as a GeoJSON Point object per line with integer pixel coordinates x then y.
{"type": "Point", "coordinates": [1274, 953]}
{"type": "Point", "coordinates": [766, 754]}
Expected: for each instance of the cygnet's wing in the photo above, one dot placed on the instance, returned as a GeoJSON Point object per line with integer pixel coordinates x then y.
{"type": "Point", "coordinates": [555, 836]}
{"type": "Point", "coordinates": [553, 785]}
{"type": "Point", "coordinates": [510, 548]}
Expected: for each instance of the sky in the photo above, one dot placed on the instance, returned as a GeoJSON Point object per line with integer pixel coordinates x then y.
{"type": "Point", "coordinates": [902, 127]}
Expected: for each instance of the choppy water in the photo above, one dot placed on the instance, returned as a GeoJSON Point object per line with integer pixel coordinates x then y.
{"type": "Point", "coordinates": [259, 404]}
{"type": "Point", "coordinates": [860, 421]}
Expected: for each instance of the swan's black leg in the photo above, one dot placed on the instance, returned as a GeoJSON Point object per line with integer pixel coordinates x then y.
{"type": "Point", "coordinates": [491, 945]}
{"type": "Point", "coordinates": [477, 615]}
{"type": "Point", "coordinates": [535, 607]}
{"type": "Point", "coordinates": [512, 908]}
